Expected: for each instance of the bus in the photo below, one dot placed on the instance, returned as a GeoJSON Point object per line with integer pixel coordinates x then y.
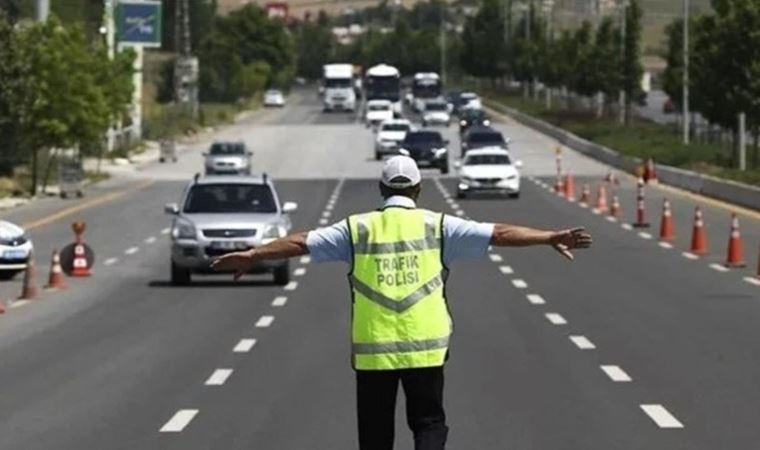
{"type": "Point", "coordinates": [425, 86]}
{"type": "Point", "coordinates": [383, 82]}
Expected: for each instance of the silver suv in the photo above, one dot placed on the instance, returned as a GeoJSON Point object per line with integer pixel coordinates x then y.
{"type": "Point", "coordinates": [223, 214]}
{"type": "Point", "coordinates": [228, 158]}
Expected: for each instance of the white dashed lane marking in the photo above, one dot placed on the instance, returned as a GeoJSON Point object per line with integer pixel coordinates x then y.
{"type": "Point", "coordinates": [279, 301]}
{"type": "Point", "coordinates": [219, 377]}
{"type": "Point", "coordinates": [459, 212]}
{"type": "Point", "coordinates": [611, 219]}
{"type": "Point", "coordinates": [166, 230]}
{"type": "Point", "coordinates": [689, 255]}
{"type": "Point", "coordinates": [150, 240]}
{"type": "Point", "coordinates": [506, 270]}
{"type": "Point", "coordinates": [665, 245]}
{"type": "Point", "coordinates": [555, 318]}
{"type": "Point", "coordinates": [627, 226]}
{"type": "Point", "coordinates": [179, 421]}
{"type": "Point", "coordinates": [616, 374]}
{"type": "Point", "coordinates": [19, 303]}
{"type": "Point", "coordinates": [718, 267]}
{"type": "Point", "coordinates": [519, 284]}
{"type": "Point", "coordinates": [244, 346]}
{"type": "Point", "coordinates": [582, 342]}
{"type": "Point", "coordinates": [299, 272]}
{"type": "Point", "coordinates": [264, 321]}
{"type": "Point", "coordinates": [454, 205]}
{"type": "Point", "coordinates": [536, 299]}
{"type": "Point", "coordinates": [644, 235]}
{"type": "Point", "coordinates": [110, 261]}
{"type": "Point", "coordinates": [495, 257]}
{"type": "Point", "coordinates": [291, 286]}
{"type": "Point", "coordinates": [326, 214]}
{"type": "Point", "coordinates": [131, 250]}
{"type": "Point", "coordinates": [752, 280]}
{"type": "Point", "coordinates": [305, 259]}
{"type": "Point", "coordinates": [661, 416]}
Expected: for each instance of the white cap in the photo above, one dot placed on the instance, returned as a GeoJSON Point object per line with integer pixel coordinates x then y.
{"type": "Point", "coordinates": [400, 172]}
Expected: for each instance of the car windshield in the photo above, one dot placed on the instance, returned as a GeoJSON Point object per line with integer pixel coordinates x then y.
{"type": "Point", "coordinates": [477, 160]}
{"type": "Point", "coordinates": [271, 93]}
{"type": "Point", "coordinates": [474, 114]}
{"type": "Point", "coordinates": [230, 198]}
{"type": "Point", "coordinates": [379, 107]}
{"type": "Point", "coordinates": [468, 96]}
{"type": "Point", "coordinates": [486, 137]}
{"type": "Point", "coordinates": [423, 137]}
{"type": "Point", "coordinates": [395, 127]}
{"type": "Point", "coordinates": [436, 107]}
{"type": "Point", "coordinates": [227, 148]}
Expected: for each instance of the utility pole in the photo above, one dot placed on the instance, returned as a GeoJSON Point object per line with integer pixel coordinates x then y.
{"type": "Point", "coordinates": [442, 30]}
{"type": "Point", "coordinates": [42, 10]}
{"type": "Point", "coordinates": [685, 108]}
{"type": "Point", "coordinates": [109, 32]}
{"type": "Point", "coordinates": [623, 25]}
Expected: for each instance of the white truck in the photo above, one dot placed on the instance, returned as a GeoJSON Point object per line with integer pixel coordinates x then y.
{"type": "Point", "coordinates": [426, 86]}
{"type": "Point", "coordinates": [338, 85]}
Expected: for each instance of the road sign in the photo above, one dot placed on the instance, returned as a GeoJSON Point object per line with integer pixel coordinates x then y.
{"type": "Point", "coordinates": [138, 23]}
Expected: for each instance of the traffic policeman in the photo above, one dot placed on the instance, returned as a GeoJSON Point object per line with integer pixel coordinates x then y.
{"type": "Point", "coordinates": [399, 257]}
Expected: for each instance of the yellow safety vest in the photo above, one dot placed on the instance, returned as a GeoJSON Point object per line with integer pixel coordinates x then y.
{"type": "Point", "coordinates": [400, 316]}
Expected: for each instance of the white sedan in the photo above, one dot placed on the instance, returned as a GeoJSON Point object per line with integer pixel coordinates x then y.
{"type": "Point", "coordinates": [274, 97]}
{"type": "Point", "coordinates": [378, 111]}
{"type": "Point", "coordinates": [389, 134]}
{"type": "Point", "coordinates": [489, 170]}
{"type": "Point", "coordinates": [15, 249]}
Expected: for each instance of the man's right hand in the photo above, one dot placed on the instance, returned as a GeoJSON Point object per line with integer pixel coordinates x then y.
{"type": "Point", "coordinates": [239, 262]}
{"type": "Point", "coordinates": [566, 240]}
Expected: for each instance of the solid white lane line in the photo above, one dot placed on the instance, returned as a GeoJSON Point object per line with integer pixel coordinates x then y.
{"type": "Point", "coordinates": [264, 321]}
{"type": "Point", "coordinates": [131, 250]}
{"type": "Point", "coordinates": [166, 230]}
{"type": "Point", "coordinates": [661, 416]}
{"type": "Point", "coordinates": [299, 272]}
{"type": "Point", "coordinates": [219, 377]}
{"type": "Point", "coordinates": [506, 270]}
{"type": "Point", "coordinates": [323, 221]}
{"type": "Point", "coordinates": [519, 284]}
{"type": "Point", "coordinates": [583, 205]}
{"type": "Point", "coordinates": [495, 257]}
{"type": "Point", "coordinates": [666, 245]}
{"type": "Point", "coordinates": [689, 255]}
{"type": "Point", "coordinates": [555, 318]}
{"type": "Point", "coordinates": [718, 267]}
{"type": "Point", "coordinates": [110, 261]}
{"type": "Point", "coordinates": [616, 374]}
{"type": "Point", "coordinates": [305, 259]}
{"type": "Point", "coordinates": [644, 235]}
{"type": "Point", "coordinates": [291, 286]}
{"type": "Point", "coordinates": [19, 303]}
{"type": "Point", "coordinates": [627, 226]}
{"type": "Point", "coordinates": [582, 342]}
{"type": "Point", "coordinates": [179, 421]}
{"type": "Point", "coordinates": [752, 280]}
{"type": "Point", "coordinates": [150, 240]}
{"type": "Point", "coordinates": [244, 346]}
{"type": "Point", "coordinates": [536, 299]}
{"type": "Point", "coordinates": [279, 301]}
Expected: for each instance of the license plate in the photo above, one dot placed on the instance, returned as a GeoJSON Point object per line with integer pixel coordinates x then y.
{"type": "Point", "coordinates": [14, 254]}
{"type": "Point", "coordinates": [228, 245]}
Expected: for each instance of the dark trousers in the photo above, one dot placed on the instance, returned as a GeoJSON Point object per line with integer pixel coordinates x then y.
{"type": "Point", "coordinates": [376, 407]}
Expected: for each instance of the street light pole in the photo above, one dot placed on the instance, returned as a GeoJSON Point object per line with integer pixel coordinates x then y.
{"type": "Point", "coordinates": [623, 25]}
{"type": "Point", "coordinates": [685, 108]}
{"type": "Point", "coordinates": [442, 30]}
{"type": "Point", "coordinates": [42, 10]}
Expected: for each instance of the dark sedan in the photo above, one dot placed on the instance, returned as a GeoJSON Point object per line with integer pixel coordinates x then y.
{"type": "Point", "coordinates": [472, 118]}
{"type": "Point", "coordinates": [427, 148]}
{"type": "Point", "coordinates": [479, 137]}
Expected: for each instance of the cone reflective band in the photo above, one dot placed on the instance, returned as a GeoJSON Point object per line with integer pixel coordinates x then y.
{"type": "Point", "coordinates": [698, 235]}
{"type": "Point", "coordinates": [735, 257]}
{"type": "Point", "coordinates": [80, 265]}
{"type": "Point", "coordinates": [667, 230]}
{"type": "Point", "coordinates": [641, 212]}
{"type": "Point", "coordinates": [56, 279]}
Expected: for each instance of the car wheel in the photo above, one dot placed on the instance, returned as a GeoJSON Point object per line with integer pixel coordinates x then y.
{"type": "Point", "coordinates": [378, 156]}
{"type": "Point", "coordinates": [180, 276]}
{"type": "Point", "coordinates": [161, 160]}
{"type": "Point", "coordinates": [282, 274]}
{"type": "Point", "coordinates": [514, 195]}
{"type": "Point", "coordinates": [445, 169]}
{"type": "Point", "coordinates": [461, 195]}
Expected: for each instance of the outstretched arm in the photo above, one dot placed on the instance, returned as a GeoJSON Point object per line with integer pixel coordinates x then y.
{"type": "Point", "coordinates": [283, 248]}
{"type": "Point", "coordinates": [505, 235]}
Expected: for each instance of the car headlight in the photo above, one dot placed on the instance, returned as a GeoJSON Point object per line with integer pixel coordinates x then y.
{"type": "Point", "coordinates": [403, 151]}
{"type": "Point", "coordinates": [512, 177]}
{"type": "Point", "coordinates": [184, 229]}
{"type": "Point", "coordinates": [462, 123]}
{"type": "Point", "coordinates": [486, 122]}
{"type": "Point", "coordinates": [465, 180]}
{"type": "Point", "coordinates": [274, 232]}
{"type": "Point", "coordinates": [440, 152]}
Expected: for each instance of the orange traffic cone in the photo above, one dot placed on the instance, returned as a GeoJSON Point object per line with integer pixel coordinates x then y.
{"type": "Point", "coordinates": [698, 235]}
{"type": "Point", "coordinates": [81, 268]}
{"type": "Point", "coordinates": [569, 187]}
{"type": "Point", "coordinates": [650, 173]}
{"type": "Point", "coordinates": [735, 256]}
{"type": "Point", "coordinates": [29, 288]}
{"type": "Point", "coordinates": [615, 209]}
{"type": "Point", "coordinates": [2, 307]}
{"type": "Point", "coordinates": [56, 279]}
{"type": "Point", "coordinates": [667, 230]}
{"type": "Point", "coordinates": [601, 199]}
{"type": "Point", "coordinates": [585, 195]}
{"type": "Point", "coordinates": [641, 211]}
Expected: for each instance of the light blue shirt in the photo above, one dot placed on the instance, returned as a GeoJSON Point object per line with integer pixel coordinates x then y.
{"type": "Point", "coordinates": [462, 239]}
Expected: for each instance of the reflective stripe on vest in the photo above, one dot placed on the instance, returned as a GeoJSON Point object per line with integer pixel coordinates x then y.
{"type": "Point", "coordinates": [400, 318]}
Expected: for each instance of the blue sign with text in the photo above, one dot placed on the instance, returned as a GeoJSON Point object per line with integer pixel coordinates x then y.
{"type": "Point", "coordinates": [138, 23]}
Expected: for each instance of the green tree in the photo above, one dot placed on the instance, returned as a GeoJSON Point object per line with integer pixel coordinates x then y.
{"type": "Point", "coordinates": [315, 44]}
{"type": "Point", "coordinates": [483, 48]}
{"type": "Point", "coordinates": [605, 59]}
{"type": "Point", "coordinates": [13, 87]}
{"type": "Point", "coordinates": [632, 68]}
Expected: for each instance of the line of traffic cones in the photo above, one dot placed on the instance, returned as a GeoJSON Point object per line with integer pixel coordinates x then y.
{"type": "Point", "coordinates": [667, 228]}
{"type": "Point", "coordinates": [615, 210]}
{"type": "Point", "coordinates": [735, 257]}
{"type": "Point", "coordinates": [641, 211]}
{"type": "Point", "coordinates": [698, 234]}
{"type": "Point", "coordinates": [601, 200]}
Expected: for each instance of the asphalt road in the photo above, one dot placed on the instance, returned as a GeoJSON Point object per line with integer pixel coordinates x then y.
{"type": "Point", "coordinates": [631, 346]}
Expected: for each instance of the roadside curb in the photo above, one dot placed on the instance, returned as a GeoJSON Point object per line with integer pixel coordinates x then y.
{"type": "Point", "coordinates": [733, 192]}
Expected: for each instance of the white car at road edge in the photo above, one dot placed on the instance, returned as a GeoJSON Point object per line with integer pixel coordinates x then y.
{"type": "Point", "coordinates": [15, 249]}
{"type": "Point", "coordinates": [488, 170]}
